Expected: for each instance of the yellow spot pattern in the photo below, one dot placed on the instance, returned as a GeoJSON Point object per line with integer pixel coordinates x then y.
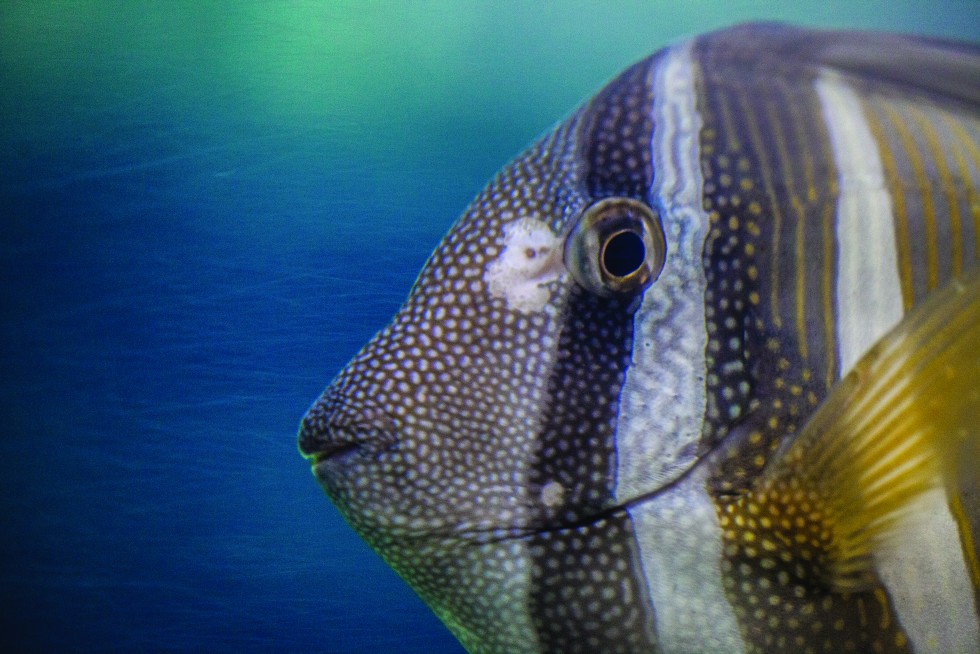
{"type": "Point", "coordinates": [776, 545]}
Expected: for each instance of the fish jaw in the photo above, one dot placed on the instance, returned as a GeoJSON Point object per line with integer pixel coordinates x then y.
{"type": "Point", "coordinates": [407, 449]}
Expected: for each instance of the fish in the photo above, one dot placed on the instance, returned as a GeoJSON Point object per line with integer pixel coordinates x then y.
{"type": "Point", "coordinates": [699, 371]}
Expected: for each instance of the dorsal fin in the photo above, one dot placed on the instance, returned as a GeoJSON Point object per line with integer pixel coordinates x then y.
{"type": "Point", "coordinates": [940, 70]}
{"type": "Point", "coordinates": [930, 66]}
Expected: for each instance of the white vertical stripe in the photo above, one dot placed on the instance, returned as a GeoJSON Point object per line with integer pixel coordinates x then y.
{"type": "Point", "coordinates": [926, 574]}
{"type": "Point", "coordinates": [680, 548]}
{"type": "Point", "coordinates": [869, 297]}
{"type": "Point", "coordinates": [928, 580]}
{"type": "Point", "coordinates": [663, 401]}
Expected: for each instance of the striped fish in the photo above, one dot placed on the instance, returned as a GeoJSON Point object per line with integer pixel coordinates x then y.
{"type": "Point", "coordinates": [699, 370]}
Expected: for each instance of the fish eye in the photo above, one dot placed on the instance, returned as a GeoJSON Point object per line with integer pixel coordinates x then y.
{"type": "Point", "coordinates": [616, 247]}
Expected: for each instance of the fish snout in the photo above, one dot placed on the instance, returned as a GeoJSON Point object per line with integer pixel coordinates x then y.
{"type": "Point", "coordinates": [335, 429]}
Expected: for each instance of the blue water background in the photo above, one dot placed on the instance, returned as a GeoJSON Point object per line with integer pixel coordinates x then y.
{"type": "Point", "coordinates": [205, 209]}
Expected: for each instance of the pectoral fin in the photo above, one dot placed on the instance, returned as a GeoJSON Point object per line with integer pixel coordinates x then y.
{"type": "Point", "coordinates": [906, 420]}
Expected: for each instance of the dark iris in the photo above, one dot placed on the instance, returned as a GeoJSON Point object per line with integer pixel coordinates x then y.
{"type": "Point", "coordinates": [623, 254]}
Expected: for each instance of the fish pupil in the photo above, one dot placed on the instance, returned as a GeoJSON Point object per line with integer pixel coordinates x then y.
{"type": "Point", "coordinates": [624, 254]}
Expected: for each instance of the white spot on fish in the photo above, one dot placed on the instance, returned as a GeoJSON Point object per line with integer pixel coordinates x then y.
{"type": "Point", "coordinates": [552, 494]}
{"type": "Point", "coordinates": [530, 260]}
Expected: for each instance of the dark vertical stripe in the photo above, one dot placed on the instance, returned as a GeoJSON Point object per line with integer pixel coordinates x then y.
{"type": "Point", "coordinates": [587, 590]}
{"type": "Point", "coordinates": [770, 256]}
{"type": "Point", "coordinates": [617, 136]}
{"type": "Point", "coordinates": [771, 267]}
{"type": "Point", "coordinates": [763, 170]}
{"type": "Point", "coordinates": [585, 596]}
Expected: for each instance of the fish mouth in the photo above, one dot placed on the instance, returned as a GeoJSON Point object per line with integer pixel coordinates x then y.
{"type": "Point", "coordinates": [327, 452]}
{"type": "Point", "coordinates": [331, 439]}
{"type": "Point", "coordinates": [329, 445]}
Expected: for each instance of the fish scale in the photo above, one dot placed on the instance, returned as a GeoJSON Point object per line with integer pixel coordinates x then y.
{"type": "Point", "coordinates": [568, 444]}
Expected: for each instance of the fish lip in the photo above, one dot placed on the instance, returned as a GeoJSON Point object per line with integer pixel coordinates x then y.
{"type": "Point", "coordinates": [343, 437]}
{"type": "Point", "coordinates": [332, 444]}
{"type": "Point", "coordinates": [331, 451]}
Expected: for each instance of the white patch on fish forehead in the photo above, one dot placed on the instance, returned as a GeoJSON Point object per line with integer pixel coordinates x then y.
{"type": "Point", "coordinates": [530, 260]}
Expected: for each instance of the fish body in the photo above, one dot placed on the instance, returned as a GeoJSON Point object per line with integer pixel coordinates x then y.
{"type": "Point", "coordinates": [617, 411]}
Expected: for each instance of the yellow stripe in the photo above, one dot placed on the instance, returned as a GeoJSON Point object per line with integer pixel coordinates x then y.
{"type": "Point", "coordinates": [966, 537]}
{"type": "Point", "coordinates": [897, 189]}
{"type": "Point", "coordinates": [967, 140]}
{"type": "Point", "coordinates": [882, 598]}
{"type": "Point", "coordinates": [828, 300]}
{"type": "Point", "coordinates": [949, 189]}
{"type": "Point", "coordinates": [777, 216]}
{"type": "Point", "coordinates": [803, 142]}
{"type": "Point", "coordinates": [785, 168]}
{"type": "Point", "coordinates": [963, 139]}
{"type": "Point", "coordinates": [727, 123]}
{"type": "Point", "coordinates": [801, 331]}
{"type": "Point", "coordinates": [828, 218]}
{"type": "Point", "coordinates": [924, 188]}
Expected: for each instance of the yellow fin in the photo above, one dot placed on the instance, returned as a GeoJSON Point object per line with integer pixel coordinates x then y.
{"type": "Point", "coordinates": [906, 420]}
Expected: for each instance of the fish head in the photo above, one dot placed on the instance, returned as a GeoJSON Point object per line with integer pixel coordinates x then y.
{"type": "Point", "coordinates": [432, 424]}
{"type": "Point", "coordinates": [488, 404]}
{"type": "Point", "coordinates": [489, 408]}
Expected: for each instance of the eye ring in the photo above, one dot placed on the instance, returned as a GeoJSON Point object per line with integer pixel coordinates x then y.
{"type": "Point", "coordinates": [617, 247]}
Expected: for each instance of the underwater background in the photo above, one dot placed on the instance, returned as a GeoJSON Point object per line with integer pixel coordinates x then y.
{"type": "Point", "coordinates": [206, 208]}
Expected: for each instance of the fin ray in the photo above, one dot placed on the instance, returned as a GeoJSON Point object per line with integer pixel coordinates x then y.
{"type": "Point", "coordinates": [898, 425]}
